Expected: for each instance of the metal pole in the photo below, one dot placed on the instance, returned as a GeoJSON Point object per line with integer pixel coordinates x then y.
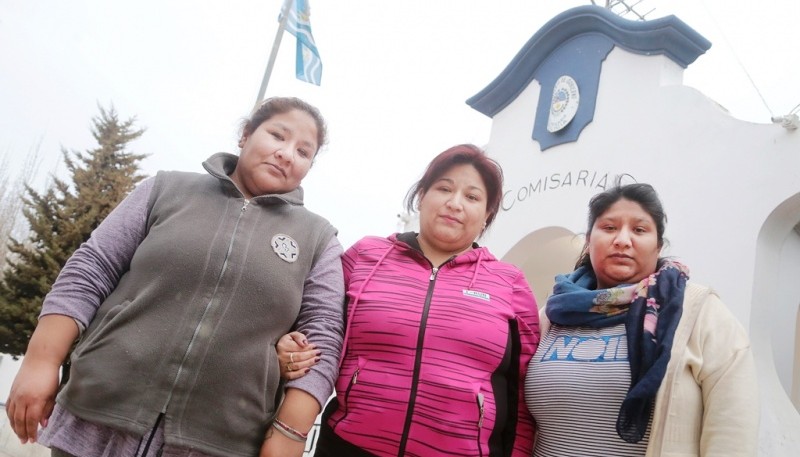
{"type": "Point", "coordinates": [287, 7]}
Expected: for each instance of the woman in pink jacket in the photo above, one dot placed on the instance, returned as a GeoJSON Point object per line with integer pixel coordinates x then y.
{"type": "Point", "coordinates": [439, 332]}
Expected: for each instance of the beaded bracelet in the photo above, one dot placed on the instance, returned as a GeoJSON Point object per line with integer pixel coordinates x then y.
{"type": "Point", "coordinates": [288, 431]}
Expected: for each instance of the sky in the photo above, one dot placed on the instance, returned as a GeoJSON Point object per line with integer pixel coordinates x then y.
{"type": "Point", "coordinates": [396, 75]}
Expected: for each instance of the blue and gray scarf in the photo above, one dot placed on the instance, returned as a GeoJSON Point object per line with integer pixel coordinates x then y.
{"type": "Point", "coordinates": [650, 310]}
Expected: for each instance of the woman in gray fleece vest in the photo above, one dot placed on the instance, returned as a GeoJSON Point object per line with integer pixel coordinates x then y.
{"type": "Point", "coordinates": [176, 302]}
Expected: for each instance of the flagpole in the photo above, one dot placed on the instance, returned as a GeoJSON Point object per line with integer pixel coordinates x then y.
{"type": "Point", "coordinates": [287, 7]}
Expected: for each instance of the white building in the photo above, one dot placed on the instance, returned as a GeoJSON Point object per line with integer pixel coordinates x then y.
{"type": "Point", "coordinates": [592, 96]}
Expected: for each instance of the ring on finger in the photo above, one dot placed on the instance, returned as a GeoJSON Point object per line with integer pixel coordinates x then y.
{"type": "Point", "coordinates": [290, 366]}
{"type": "Point", "coordinates": [291, 357]}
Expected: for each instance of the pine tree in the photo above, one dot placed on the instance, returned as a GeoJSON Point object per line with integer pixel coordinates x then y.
{"type": "Point", "coordinates": [61, 219]}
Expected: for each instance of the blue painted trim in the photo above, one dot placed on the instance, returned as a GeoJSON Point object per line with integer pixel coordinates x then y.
{"type": "Point", "coordinates": [581, 58]}
{"type": "Point", "coordinates": [668, 36]}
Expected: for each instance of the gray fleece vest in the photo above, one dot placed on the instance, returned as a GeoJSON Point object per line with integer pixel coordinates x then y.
{"type": "Point", "coordinates": [190, 330]}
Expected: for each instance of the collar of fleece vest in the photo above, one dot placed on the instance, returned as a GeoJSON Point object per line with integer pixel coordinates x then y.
{"type": "Point", "coordinates": [222, 164]}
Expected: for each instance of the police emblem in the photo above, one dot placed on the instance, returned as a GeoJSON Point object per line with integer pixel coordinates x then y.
{"type": "Point", "coordinates": [564, 103]}
{"type": "Point", "coordinates": [286, 247]}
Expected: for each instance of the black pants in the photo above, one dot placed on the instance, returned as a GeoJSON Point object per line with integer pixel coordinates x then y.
{"type": "Point", "coordinates": [329, 444]}
{"type": "Point", "coordinates": [59, 453]}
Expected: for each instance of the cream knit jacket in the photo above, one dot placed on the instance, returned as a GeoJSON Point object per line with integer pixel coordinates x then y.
{"type": "Point", "coordinates": [707, 404]}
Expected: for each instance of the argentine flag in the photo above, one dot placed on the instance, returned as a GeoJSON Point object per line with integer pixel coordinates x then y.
{"type": "Point", "coordinates": [308, 66]}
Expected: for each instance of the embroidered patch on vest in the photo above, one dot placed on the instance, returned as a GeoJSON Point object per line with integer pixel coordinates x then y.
{"type": "Point", "coordinates": [476, 294]}
{"type": "Point", "coordinates": [286, 247]}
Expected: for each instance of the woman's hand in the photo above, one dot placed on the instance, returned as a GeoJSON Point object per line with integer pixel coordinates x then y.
{"type": "Point", "coordinates": [296, 355]}
{"type": "Point", "coordinates": [32, 398]}
{"type": "Point", "coordinates": [33, 392]}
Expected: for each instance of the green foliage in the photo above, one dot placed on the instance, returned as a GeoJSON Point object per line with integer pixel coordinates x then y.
{"type": "Point", "coordinates": [60, 220]}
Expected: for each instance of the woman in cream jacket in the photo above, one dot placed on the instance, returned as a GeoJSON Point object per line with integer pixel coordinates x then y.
{"type": "Point", "coordinates": [633, 360]}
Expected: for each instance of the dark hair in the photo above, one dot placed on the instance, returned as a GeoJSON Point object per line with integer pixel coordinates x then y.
{"type": "Point", "coordinates": [279, 105]}
{"type": "Point", "coordinates": [489, 170]}
{"type": "Point", "coordinates": [641, 193]}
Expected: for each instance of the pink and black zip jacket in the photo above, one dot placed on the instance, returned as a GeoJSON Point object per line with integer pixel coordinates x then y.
{"type": "Point", "coordinates": [435, 357]}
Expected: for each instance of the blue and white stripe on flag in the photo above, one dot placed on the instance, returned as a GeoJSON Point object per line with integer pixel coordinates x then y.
{"type": "Point", "coordinates": [308, 65]}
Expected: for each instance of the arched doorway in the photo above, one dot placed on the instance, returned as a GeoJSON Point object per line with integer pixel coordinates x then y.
{"type": "Point", "coordinates": [543, 254]}
{"type": "Point", "coordinates": [785, 331]}
{"type": "Point", "coordinates": [774, 325]}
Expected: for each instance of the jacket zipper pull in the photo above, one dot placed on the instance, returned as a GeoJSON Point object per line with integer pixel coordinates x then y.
{"type": "Point", "coordinates": [481, 409]}
{"type": "Point", "coordinates": [433, 273]}
{"type": "Point", "coordinates": [244, 206]}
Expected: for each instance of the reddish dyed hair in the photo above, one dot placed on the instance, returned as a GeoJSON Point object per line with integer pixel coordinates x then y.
{"type": "Point", "coordinates": [488, 169]}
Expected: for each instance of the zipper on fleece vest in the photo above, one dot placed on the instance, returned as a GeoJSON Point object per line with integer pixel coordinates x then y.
{"type": "Point", "coordinates": [412, 400]}
{"type": "Point", "coordinates": [208, 307]}
{"type": "Point", "coordinates": [150, 440]}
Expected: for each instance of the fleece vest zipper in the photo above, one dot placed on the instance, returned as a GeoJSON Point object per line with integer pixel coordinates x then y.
{"type": "Point", "coordinates": [209, 305]}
